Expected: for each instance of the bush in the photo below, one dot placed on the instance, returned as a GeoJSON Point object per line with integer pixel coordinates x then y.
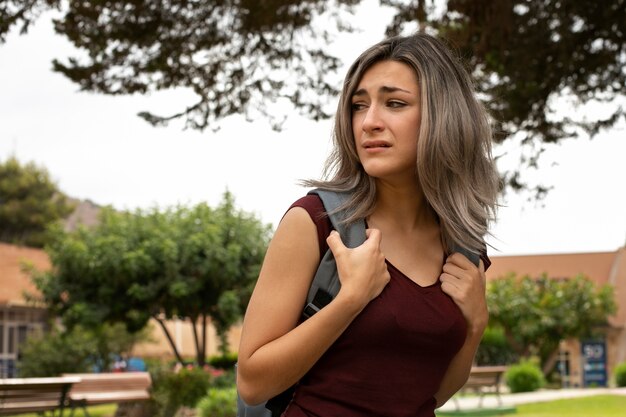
{"type": "Point", "coordinates": [225, 380]}
{"type": "Point", "coordinates": [494, 349]}
{"type": "Point", "coordinates": [524, 377]}
{"type": "Point", "coordinates": [227, 361]}
{"type": "Point", "coordinates": [172, 390]}
{"type": "Point", "coordinates": [620, 375]}
{"type": "Point", "coordinates": [219, 402]}
{"type": "Point", "coordinates": [56, 353]}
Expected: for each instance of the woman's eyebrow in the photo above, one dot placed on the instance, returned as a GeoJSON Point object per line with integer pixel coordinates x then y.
{"type": "Point", "coordinates": [384, 89]}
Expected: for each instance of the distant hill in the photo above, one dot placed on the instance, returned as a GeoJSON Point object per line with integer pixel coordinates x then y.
{"type": "Point", "coordinates": [86, 213]}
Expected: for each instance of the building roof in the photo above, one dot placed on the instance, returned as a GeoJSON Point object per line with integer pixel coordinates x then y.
{"type": "Point", "coordinates": [601, 267]}
{"type": "Point", "coordinates": [13, 281]}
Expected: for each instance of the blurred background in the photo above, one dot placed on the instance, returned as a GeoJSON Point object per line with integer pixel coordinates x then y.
{"type": "Point", "coordinates": [148, 150]}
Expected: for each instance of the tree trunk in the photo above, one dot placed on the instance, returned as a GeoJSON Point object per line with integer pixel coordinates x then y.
{"type": "Point", "coordinates": [551, 360]}
{"type": "Point", "coordinates": [203, 338]}
{"type": "Point", "coordinates": [196, 340]}
{"type": "Point", "coordinates": [169, 339]}
{"type": "Point", "coordinates": [517, 347]}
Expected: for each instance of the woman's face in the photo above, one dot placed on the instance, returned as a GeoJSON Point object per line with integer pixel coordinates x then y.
{"type": "Point", "coordinates": [386, 120]}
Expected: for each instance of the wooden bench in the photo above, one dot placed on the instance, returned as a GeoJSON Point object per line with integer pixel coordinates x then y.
{"type": "Point", "coordinates": [484, 379]}
{"type": "Point", "coordinates": [35, 395]}
{"type": "Point", "coordinates": [105, 388]}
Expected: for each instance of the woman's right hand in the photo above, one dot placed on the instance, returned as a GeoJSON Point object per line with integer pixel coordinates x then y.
{"type": "Point", "coordinates": [362, 270]}
{"type": "Point", "coordinates": [276, 350]}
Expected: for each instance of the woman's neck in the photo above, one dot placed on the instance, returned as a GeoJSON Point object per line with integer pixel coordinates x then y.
{"type": "Point", "coordinates": [402, 206]}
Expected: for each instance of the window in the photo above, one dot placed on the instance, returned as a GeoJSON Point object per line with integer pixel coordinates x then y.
{"type": "Point", "coordinates": [11, 347]}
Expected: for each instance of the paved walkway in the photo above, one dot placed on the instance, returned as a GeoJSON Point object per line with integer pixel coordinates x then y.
{"type": "Point", "coordinates": [509, 400]}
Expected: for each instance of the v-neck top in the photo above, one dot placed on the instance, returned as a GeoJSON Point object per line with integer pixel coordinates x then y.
{"type": "Point", "coordinates": [392, 358]}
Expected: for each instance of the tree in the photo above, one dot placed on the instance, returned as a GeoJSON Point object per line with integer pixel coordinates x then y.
{"type": "Point", "coordinates": [536, 314]}
{"type": "Point", "coordinates": [29, 202]}
{"type": "Point", "coordinates": [177, 263]}
{"type": "Point", "coordinates": [236, 57]}
{"type": "Point", "coordinates": [239, 57]}
{"type": "Point", "coordinates": [525, 55]}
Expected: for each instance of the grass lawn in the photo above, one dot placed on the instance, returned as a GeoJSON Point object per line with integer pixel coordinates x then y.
{"type": "Point", "coordinates": [107, 410]}
{"type": "Point", "coordinates": [595, 406]}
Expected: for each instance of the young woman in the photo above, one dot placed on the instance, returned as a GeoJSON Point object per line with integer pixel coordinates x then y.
{"type": "Point", "coordinates": [413, 148]}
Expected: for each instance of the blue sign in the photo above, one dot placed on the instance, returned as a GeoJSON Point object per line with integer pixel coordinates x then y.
{"type": "Point", "coordinates": [594, 363]}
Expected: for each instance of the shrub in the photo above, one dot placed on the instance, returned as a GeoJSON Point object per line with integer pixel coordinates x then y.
{"type": "Point", "coordinates": [227, 361]}
{"type": "Point", "coordinates": [494, 349]}
{"type": "Point", "coordinates": [219, 402]}
{"type": "Point", "coordinates": [56, 353]}
{"type": "Point", "coordinates": [620, 375]}
{"type": "Point", "coordinates": [172, 390]}
{"type": "Point", "coordinates": [524, 377]}
{"type": "Point", "coordinates": [225, 380]}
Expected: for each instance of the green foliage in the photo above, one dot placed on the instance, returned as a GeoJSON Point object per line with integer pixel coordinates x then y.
{"type": "Point", "coordinates": [227, 312]}
{"type": "Point", "coordinates": [172, 390]}
{"type": "Point", "coordinates": [219, 402]}
{"type": "Point", "coordinates": [494, 349]}
{"type": "Point", "coordinates": [224, 361]}
{"type": "Point", "coordinates": [525, 54]}
{"type": "Point", "coordinates": [536, 314]}
{"type": "Point", "coordinates": [188, 263]}
{"type": "Point", "coordinates": [524, 377]}
{"type": "Point", "coordinates": [227, 379]}
{"type": "Point", "coordinates": [77, 350]}
{"type": "Point", "coordinates": [29, 202]}
{"type": "Point", "coordinates": [55, 353]}
{"type": "Point", "coordinates": [232, 55]}
{"type": "Point", "coordinates": [620, 375]}
{"type": "Point", "coordinates": [115, 339]}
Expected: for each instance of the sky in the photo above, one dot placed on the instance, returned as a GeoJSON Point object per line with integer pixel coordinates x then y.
{"type": "Point", "coordinates": [96, 148]}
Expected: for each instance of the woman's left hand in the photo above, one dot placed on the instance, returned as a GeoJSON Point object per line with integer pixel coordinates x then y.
{"type": "Point", "coordinates": [464, 282]}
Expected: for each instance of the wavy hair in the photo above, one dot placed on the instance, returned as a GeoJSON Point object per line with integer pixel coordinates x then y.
{"type": "Point", "coordinates": [455, 166]}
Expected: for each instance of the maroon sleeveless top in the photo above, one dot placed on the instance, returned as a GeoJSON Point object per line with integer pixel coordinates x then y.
{"type": "Point", "coordinates": [391, 358]}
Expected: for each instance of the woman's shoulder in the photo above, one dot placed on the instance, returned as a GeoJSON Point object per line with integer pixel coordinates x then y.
{"type": "Point", "coordinates": [315, 208]}
{"type": "Point", "coordinates": [311, 203]}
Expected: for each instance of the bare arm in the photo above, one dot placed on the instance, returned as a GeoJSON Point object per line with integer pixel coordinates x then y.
{"type": "Point", "coordinates": [465, 284]}
{"type": "Point", "coordinates": [275, 352]}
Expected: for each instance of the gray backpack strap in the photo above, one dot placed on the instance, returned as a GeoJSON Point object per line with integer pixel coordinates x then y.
{"type": "Point", "coordinates": [472, 256]}
{"type": "Point", "coordinates": [326, 284]}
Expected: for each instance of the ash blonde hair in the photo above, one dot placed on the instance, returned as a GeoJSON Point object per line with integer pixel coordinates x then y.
{"type": "Point", "coordinates": [454, 163]}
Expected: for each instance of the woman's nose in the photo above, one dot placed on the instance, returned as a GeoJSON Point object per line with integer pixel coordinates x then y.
{"type": "Point", "coordinates": [372, 121]}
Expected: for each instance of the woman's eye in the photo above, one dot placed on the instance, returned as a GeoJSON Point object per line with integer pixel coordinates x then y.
{"type": "Point", "coordinates": [358, 106]}
{"type": "Point", "coordinates": [395, 104]}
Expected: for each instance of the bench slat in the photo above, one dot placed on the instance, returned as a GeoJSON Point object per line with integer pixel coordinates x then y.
{"type": "Point", "coordinates": [25, 395]}
{"type": "Point", "coordinates": [110, 388]}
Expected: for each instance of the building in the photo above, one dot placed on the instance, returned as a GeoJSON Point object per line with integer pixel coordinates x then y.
{"type": "Point", "coordinates": [18, 319]}
{"type": "Point", "coordinates": [585, 362]}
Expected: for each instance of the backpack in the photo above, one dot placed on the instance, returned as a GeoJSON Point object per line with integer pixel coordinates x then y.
{"type": "Point", "coordinates": [324, 288]}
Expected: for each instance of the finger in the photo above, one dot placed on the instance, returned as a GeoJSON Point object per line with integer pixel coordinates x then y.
{"type": "Point", "coordinates": [335, 243]}
{"type": "Point", "coordinates": [454, 270]}
{"type": "Point", "coordinates": [449, 286]}
{"type": "Point", "coordinates": [374, 235]}
{"type": "Point", "coordinates": [374, 239]}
